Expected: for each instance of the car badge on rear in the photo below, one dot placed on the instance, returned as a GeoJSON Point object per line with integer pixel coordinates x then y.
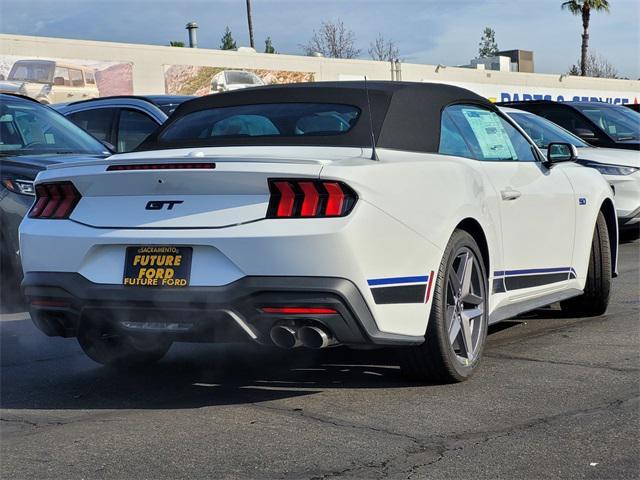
{"type": "Point", "coordinates": [160, 204]}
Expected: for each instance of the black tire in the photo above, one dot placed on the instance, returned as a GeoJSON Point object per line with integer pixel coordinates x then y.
{"type": "Point", "coordinates": [104, 343]}
{"type": "Point", "coordinates": [597, 290]}
{"type": "Point", "coordinates": [11, 298]}
{"type": "Point", "coordinates": [436, 360]}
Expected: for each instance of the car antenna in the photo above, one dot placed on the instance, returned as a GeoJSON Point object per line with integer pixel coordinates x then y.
{"type": "Point", "coordinates": [374, 155]}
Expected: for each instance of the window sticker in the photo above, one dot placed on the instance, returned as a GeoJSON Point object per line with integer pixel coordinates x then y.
{"type": "Point", "coordinates": [492, 138]}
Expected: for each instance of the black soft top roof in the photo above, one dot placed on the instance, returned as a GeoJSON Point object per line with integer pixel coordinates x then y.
{"type": "Point", "coordinates": [405, 115]}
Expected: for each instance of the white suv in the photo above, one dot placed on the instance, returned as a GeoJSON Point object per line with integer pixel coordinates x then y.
{"type": "Point", "coordinates": [50, 81]}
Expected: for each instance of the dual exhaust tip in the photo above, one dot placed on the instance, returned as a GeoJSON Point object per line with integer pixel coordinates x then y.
{"type": "Point", "coordinates": [308, 336]}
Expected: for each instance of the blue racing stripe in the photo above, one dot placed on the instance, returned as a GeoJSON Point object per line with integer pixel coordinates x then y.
{"type": "Point", "coordinates": [502, 273]}
{"type": "Point", "coordinates": [397, 280]}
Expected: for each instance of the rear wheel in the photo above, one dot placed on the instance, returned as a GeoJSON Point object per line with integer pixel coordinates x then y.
{"type": "Point", "coordinates": [105, 343]}
{"type": "Point", "coordinates": [11, 299]}
{"type": "Point", "coordinates": [457, 327]}
{"type": "Point", "coordinates": [595, 299]}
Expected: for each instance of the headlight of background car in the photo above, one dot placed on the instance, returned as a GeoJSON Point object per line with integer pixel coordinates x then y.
{"type": "Point", "coordinates": [607, 169]}
{"type": "Point", "coordinates": [23, 187]}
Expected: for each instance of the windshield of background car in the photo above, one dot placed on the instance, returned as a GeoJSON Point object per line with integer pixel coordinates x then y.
{"type": "Point", "coordinates": [634, 115]}
{"type": "Point", "coordinates": [543, 132]}
{"type": "Point", "coordinates": [241, 77]}
{"type": "Point", "coordinates": [263, 120]}
{"type": "Point", "coordinates": [618, 125]}
{"type": "Point", "coordinates": [27, 128]}
{"type": "Point", "coordinates": [30, 71]}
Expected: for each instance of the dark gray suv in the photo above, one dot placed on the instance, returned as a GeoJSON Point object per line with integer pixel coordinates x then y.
{"type": "Point", "coordinates": [32, 137]}
{"type": "Point", "coordinates": [123, 121]}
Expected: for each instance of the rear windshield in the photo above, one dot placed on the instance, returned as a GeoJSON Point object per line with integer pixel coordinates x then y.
{"type": "Point", "coordinates": [263, 120]}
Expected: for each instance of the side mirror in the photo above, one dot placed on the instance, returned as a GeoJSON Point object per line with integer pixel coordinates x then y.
{"type": "Point", "coordinates": [561, 152]}
{"type": "Point", "coordinates": [58, 81]}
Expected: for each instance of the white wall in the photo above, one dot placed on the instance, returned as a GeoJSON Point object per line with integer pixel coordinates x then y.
{"type": "Point", "coordinates": [149, 61]}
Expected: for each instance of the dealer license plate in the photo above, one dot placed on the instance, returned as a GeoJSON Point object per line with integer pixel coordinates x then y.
{"type": "Point", "coordinates": [157, 266]}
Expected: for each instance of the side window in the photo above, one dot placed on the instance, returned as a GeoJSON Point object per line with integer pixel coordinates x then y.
{"type": "Point", "coordinates": [89, 77]}
{"type": "Point", "coordinates": [76, 78]}
{"type": "Point", "coordinates": [133, 128]}
{"type": "Point", "coordinates": [61, 77]}
{"type": "Point", "coordinates": [98, 122]}
{"type": "Point", "coordinates": [489, 136]}
{"type": "Point", "coordinates": [451, 140]}
{"type": "Point", "coordinates": [524, 149]}
{"type": "Point", "coordinates": [567, 119]}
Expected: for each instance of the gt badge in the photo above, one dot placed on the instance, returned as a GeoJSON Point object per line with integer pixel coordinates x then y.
{"type": "Point", "coordinates": [160, 204]}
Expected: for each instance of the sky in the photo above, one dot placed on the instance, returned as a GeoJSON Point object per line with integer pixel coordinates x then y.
{"type": "Point", "coordinates": [426, 31]}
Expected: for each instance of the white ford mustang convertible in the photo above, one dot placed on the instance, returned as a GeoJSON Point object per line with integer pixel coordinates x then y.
{"type": "Point", "coordinates": [410, 215]}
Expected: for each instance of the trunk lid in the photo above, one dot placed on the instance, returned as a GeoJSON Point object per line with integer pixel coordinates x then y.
{"type": "Point", "coordinates": [236, 191]}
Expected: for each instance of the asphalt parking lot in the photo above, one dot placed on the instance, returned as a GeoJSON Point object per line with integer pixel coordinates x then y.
{"type": "Point", "coordinates": [555, 397]}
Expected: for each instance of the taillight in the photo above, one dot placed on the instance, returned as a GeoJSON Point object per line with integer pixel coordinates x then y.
{"type": "Point", "coordinates": [300, 310]}
{"type": "Point", "coordinates": [163, 166]}
{"type": "Point", "coordinates": [297, 198]}
{"type": "Point", "coordinates": [54, 200]}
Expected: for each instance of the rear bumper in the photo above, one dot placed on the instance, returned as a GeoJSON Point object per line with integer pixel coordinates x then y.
{"type": "Point", "coordinates": [59, 301]}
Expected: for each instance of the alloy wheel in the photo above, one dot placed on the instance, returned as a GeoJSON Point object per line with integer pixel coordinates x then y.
{"type": "Point", "coordinates": [465, 306]}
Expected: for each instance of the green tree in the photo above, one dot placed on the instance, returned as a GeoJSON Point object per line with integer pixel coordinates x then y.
{"type": "Point", "coordinates": [176, 44]}
{"type": "Point", "coordinates": [268, 46]}
{"type": "Point", "coordinates": [488, 46]}
{"type": "Point", "coordinates": [227, 41]}
{"type": "Point", "coordinates": [584, 8]}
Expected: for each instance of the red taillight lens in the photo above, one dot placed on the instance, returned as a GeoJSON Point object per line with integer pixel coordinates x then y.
{"type": "Point", "coordinates": [162, 166]}
{"type": "Point", "coordinates": [335, 201]}
{"type": "Point", "coordinates": [54, 200]}
{"type": "Point", "coordinates": [287, 199]}
{"type": "Point", "coordinates": [300, 310]}
{"type": "Point", "coordinates": [311, 199]}
{"type": "Point", "coordinates": [293, 198]}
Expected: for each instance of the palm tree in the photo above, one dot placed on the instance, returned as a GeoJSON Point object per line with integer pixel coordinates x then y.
{"type": "Point", "coordinates": [250, 22]}
{"type": "Point", "coordinates": [583, 8]}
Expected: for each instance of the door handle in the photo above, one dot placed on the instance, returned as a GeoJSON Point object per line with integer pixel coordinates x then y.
{"type": "Point", "coordinates": [510, 194]}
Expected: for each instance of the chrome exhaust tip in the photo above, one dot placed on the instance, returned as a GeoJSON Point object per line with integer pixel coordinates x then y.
{"type": "Point", "coordinates": [284, 337]}
{"type": "Point", "coordinates": [315, 337]}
